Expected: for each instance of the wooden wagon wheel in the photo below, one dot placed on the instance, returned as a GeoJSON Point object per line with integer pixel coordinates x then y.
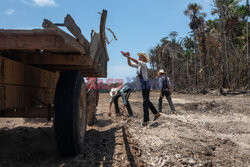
{"type": "Point", "coordinates": [70, 113]}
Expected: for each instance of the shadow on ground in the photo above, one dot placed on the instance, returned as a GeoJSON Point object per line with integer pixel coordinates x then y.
{"type": "Point", "coordinates": [26, 146]}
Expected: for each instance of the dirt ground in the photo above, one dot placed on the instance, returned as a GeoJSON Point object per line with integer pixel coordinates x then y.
{"type": "Point", "coordinates": [208, 130]}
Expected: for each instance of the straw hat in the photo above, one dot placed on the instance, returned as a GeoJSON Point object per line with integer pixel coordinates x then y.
{"type": "Point", "coordinates": [161, 71]}
{"type": "Point", "coordinates": [144, 55]}
{"type": "Point", "coordinates": [113, 92]}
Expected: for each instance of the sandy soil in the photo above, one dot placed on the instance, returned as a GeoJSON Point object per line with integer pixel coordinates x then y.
{"type": "Point", "coordinates": [208, 130]}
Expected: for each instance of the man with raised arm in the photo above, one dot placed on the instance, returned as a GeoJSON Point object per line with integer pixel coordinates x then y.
{"type": "Point", "coordinates": [142, 72]}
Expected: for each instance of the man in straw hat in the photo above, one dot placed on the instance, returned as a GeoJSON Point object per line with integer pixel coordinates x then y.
{"type": "Point", "coordinates": [124, 92]}
{"type": "Point", "coordinates": [142, 72]}
{"type": "Point", "coordinates": [165, 90]}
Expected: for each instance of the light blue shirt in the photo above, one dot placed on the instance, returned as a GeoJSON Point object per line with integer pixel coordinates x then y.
{"type": "Point", "coordinates": [161, 79]}
{"type": "Point", "coordinates": [121, 92]}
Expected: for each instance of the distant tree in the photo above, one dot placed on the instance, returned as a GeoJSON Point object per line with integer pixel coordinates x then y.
{"type": "Point", "coordinates": [197, 18]}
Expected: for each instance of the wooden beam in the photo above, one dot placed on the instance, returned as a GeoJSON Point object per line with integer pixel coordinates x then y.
{"type": "Point", "coordinates": [52, 67]}
{"type": "Point", "coordinates": [49, 24]}
{"type": "Point", "coordinates": [94, 44]}
{"type": "Point", "coordinates": [98, 56]}
{"type": "Point", "coordinates": [75, 30]}
{"type": "Point", "coordinates": [16, 73]}
{"type": "Point", "coordinates": [102, 32]}
{"type": "Point", "coordinates": [22, 40]}
{"type": "Point", "coordinates": [92, 74]}
{"type": "Point", "coordinates": [16, 101]}
{"type": "Point", "coordinates": [56, 59]}
{"type": "Point", "coordinates": [20, 82]}
{"type": "Point", "coordinates": [102, 70]}
{"type": "Point", "coordinates": [51, 39]}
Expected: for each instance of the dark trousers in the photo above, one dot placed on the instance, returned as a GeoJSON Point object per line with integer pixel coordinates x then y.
{"type": "Point", "coordinates": [128, 106]}
{"type": "Point", "coordinates": [168, 96]}
{"type": "Point", "coordinates": [146, 102]}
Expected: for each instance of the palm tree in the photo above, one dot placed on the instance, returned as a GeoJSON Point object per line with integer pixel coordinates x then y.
{"type": "Point", "coordinates": [196, 17]}
{"type": "Point", "coordinates": [230, 15]}
{"type": "Point", "coordinates": [248, 60]}
{"type": "Point", "coordinates": [188, 44]}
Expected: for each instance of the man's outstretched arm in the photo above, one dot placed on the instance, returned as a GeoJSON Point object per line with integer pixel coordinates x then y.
{"type": "Point", "coordinates": [129, 58]}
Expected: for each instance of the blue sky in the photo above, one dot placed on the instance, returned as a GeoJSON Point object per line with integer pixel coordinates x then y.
{"type": "Point", "coordinates": [138, 24]}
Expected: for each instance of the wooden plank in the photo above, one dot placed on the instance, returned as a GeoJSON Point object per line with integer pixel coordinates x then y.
{"type": "Point", "coordinates": [39, 39]}
{"type": "Point", "coordinates": [90, 74]}
{"type": "Point", "coordinates": [52, 67]}
{"type": "Point", "coordinates": [94, 44]}
{"type": "Point", "coordinates": [16, 73]}
{"type": "Point", "coordinates": [11, 40]}
{"type": "Point", "coordinates": [56, 59]}
{"type": "Point", "coordinates": [103, 73]}
{"type": "Point", "coordinates": [75, 30]}
{"type": "Point", "coordinates": [102, 32]}
{"type": "Point", "coordinates": [17, 99]}
{"type": "Point", "coordinates": [103, 69]}
{"type": "Point", "coordinates": [20, 83]}
{"type": "Point", "coordinates": [2, 95]}
{"type": "Point", "coordinates": [98, 56]}
{"type": "Point", "coordinates": [49, 24]}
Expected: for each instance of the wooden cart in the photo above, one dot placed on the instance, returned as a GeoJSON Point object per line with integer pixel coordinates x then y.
{"type": "Point", "coordinates": [42, 75]}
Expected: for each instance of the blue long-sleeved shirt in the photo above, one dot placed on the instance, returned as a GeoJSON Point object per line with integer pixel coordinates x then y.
{"type": "Point", "coordinates": [121, 92]}
{"type": "Point", "coordinates": [161, 79]}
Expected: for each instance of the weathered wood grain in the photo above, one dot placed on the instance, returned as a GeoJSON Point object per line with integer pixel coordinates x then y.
{"type": "Point", "coordinates": [102, 32]}
{"type": "Point", "coordinates": [75, 30]}
{"type": "Point", "coordinates": [51, 39]}
{"type": "Point", "coordinates": [20, 82]}
{"type": "Point", "coordinates": [16, 73]}
{"type": "Point", "coordinates": [57, 59]}
{"type": "Point", "coordinates": [94, 45]}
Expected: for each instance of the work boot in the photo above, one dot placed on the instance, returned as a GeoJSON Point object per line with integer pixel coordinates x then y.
{"type": "Point", "coordinates": [157, 116]}
{"type": "Point", "coordinates": [144, 123]}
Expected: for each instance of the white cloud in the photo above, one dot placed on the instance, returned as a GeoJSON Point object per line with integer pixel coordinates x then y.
{"type": "Point", "coordinates": [9, 12]}
{"type": "Point", "coordinates": [45, 2]}
{"type": "Point", "coordinates": [40, 3]}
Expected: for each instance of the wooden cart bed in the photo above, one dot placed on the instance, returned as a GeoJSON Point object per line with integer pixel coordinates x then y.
{"type": "Point", "coordinates": [55, 50]}
{"type": "Point", "coordinates": [30, 62]}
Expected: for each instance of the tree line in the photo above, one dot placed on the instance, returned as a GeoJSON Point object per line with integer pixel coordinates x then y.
{"type": "Point", "coordinates": [213, 55]}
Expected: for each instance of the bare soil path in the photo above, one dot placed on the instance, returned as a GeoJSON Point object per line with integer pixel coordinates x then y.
{"type": "Point", "coordinates": [207, 131]}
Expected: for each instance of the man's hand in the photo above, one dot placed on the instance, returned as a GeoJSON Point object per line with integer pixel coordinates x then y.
{"type": "Point", "coordinates": [109, 114]}
{"type": "Point", "coordinates": [123, 53]}
{"type": "Point", "coordinates": [127, 54]}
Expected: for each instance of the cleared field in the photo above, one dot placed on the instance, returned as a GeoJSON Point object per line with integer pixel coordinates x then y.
{"type": "Point", "coordinates": [207, 131]}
